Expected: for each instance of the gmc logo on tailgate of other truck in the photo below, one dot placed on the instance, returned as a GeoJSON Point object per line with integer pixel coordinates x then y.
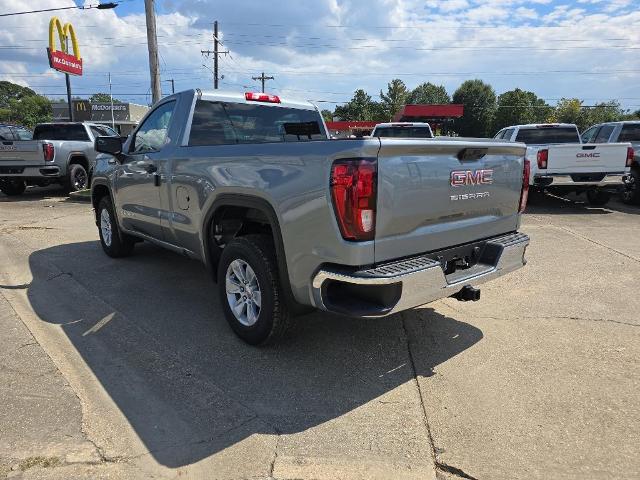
{"type": "Point", "coordinates": [461, 178]}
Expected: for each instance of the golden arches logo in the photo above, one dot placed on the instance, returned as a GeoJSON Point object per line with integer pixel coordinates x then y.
{"type": "Point", "coordinates": [61, 59]}
{"type": "Point", "coordinates": [64, 31]}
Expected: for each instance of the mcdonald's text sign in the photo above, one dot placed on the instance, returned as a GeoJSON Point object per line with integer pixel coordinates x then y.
{"type": "Point", "coordinates": [61, 59]}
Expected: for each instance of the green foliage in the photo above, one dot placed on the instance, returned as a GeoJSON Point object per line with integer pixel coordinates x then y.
{"type": "Point", "coordinates": [29, 111]}
{"type": "Point", "coordinates": [430, 94]}
{"type": "Point", "coordinates": [10, 91]}
{"type": "Point", "coordinates": [571, 110]}
{"type": "Point", "coordinates": [102, 98]}
{"type": "Point", "coordinates": [22, 105]}
{"type": "Point", "coordinates": [517, 107]}
{"type": "Point", "coordinates": [327, 115]}
{"type": "Point", "coordinates": [395, 98]}
{"type": "Point", "coordinates": [605, 112]}
{"type": "Point", "coordinates": [360, 107]}
{"type": "Point", "coordinates": [479, 100]}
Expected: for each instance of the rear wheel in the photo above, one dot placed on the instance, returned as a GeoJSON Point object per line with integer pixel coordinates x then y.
{"type": "Point", "coordinates": [631, 193]}
{"type": "Point", "coordinates": [12, 187]}
{"type": "Point", "coordinates": [114, 243]}
{"type": "Point", "coordinates": [251, 292]}
{"type": "Point", "coordinates": [78, 178]}
{"type": "Point", "coordinates": [598, 197]}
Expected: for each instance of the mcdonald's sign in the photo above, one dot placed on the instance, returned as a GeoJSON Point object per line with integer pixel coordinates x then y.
{"type": "Point", "coordinates": [61, 59]}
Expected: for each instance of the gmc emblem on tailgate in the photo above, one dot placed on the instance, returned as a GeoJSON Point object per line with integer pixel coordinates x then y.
{"type": "Point", "coordinates": [588, 155]}
{"type": "Point", "coordinates": [461, 178]}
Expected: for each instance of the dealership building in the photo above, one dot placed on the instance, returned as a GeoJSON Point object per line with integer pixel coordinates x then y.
{"type": "Point", "coordinates": [125, 115]}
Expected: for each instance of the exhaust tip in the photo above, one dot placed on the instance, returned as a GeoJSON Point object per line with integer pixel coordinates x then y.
{"type": "Point", "coordinates": [467, 294]}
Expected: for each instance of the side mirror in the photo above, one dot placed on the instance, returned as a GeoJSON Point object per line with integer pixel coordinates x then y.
{"type": "Point", "coordinates": [112, 145]}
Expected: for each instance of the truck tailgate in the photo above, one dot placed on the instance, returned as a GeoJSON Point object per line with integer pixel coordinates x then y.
{"type": "Point", "coordinates": [26, 152]}
{"type": "Point", "coordinates": [587, 158]}
{"type": "Point", "coordinates": [429, 199]}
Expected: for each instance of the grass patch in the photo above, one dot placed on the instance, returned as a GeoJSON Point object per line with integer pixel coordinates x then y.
{"type": "Point", "coordinates": [42, 462]}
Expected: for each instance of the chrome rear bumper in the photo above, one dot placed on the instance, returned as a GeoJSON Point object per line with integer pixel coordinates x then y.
{"type": "Point", "coordinates": [417, 280]}
{"type": "Point", "coordinates": [556, 179]}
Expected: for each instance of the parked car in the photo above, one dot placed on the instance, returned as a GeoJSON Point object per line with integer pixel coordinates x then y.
{"type": "Point", "coordinates": [287, 219]}
{"type": "Point", "coordinates": [616, 132]}
{"type": "Point", "coordinates": [14, 133]}
{"type": "Point", "coordinates": [564, 164]}
{"type": "Point", "coordinates": [402, 130]}
{"type": "Point", "coordinates": [60, 153]}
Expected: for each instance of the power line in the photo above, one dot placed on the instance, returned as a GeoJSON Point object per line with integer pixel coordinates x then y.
{"type": "Point", "coordinates": [99, 6]}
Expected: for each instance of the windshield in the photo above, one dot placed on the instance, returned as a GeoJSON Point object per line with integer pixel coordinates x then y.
{"type": "Point", "coordinates": [403, 132]}
{"type": "Point", "coordinates": [543, 136]}
{"type": "Point", "coordinates": [630, 133]}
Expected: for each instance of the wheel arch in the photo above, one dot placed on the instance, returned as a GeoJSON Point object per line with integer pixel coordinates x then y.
{"type": "Point", "coordinates": [244, 203]}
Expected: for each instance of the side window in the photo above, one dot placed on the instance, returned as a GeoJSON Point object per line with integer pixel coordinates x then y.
{"type": "Point", "coordinates": [152, 134]}
{"type": "Point", "coordinates": [604, 134]}
{"type": "Point", "coordinates": [210, 125]}
{"type": "Point", "coordinates": [6, 133]}
{"type": "Point", "coordinates": [587, 137]}
{"type": "Point", "coordinates": [100, 131]}
{"type": "Point", "coordinates": [23, 134]}
{"type": "Point", "coordinates": [500, 134]}
{"type": "Point", "coordinates": [507, 134]}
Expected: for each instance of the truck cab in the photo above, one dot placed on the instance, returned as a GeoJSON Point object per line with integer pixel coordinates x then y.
{"type": "Point", "coordinates": [402, 130]}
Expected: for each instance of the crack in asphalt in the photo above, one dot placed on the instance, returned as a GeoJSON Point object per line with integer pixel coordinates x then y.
{"type": "Point", "coordinates": [439, 466]}
{"type": "Point", "coordinates": [595, 242]}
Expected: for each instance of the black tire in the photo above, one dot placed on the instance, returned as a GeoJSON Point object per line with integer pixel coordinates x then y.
{"type": "Point", "coordinates": [631, 193]}
{"type": "Point", "coordinates": [273, 318]}
{"type": "Point", "coordinates": [78, 178]}
{"type": "Point", "coordinates": [12, 187]}
{"type": "Point", "coordinates": [120, 244]}
{"type": "Point", "coordinates": [598, 198]}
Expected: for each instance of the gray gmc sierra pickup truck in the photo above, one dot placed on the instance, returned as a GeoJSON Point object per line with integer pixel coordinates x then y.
{"type": "Point", "coordinates": [287, 219]}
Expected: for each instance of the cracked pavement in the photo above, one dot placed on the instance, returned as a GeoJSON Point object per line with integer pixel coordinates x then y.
{"type": "Point", "coordinates": [126, 369]}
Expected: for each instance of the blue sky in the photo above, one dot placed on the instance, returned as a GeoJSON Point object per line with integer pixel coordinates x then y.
{"type": "Point", "coordinates": [325, 49]}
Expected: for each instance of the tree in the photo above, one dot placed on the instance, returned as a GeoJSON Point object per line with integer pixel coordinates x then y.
{"type": "Point", "coordinates": [570, 110]}
{"type": "Point", "coordinates": [429, 93]}
{"type": "Point", "coordinates": [479, 100]}
{"type": "Point", "coordinates": [395, 98]}
{"type": "Point", "coordinates": [327, 115]}
{"type": "Point", "coordinates": [605, 112]}
{"type": "Point", "coordinates": [102, 98]}
{"type": "Point", "coordinates": [11, 91]}
{"type": "Point", "coordinates": [30, 110]}
{"type": "Point", "coordinates": [517, 107]}
{"type": "Point", "coordinates": [360, 107]}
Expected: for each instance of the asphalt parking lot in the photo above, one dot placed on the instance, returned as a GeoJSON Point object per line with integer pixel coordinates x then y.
{"type": "Point", "coordinates": [127, 369]}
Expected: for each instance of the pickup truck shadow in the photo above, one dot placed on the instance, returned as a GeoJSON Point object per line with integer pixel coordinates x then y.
{"type": "Point", "coordinates": [151, 330]}
{"type": "Point", "coordinates": [544, 203]}
{"type": "Point", "coordinates": [36, 193]}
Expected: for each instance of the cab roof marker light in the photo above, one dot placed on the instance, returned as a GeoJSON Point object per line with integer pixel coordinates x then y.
{"type": "Point", "coordinates": [261, 97]}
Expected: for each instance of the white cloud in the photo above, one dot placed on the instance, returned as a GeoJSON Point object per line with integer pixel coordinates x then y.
{"type": "Point", "coordinates": [326, 49]}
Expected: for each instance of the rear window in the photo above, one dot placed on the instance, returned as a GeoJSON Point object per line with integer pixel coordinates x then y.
{"type": "Point", "coordinates": [61, 132]}
{"type": "Point", "coordinates": [630, 133]}
{"type": "Point", "coordinates": [221, 123]}
{"type": "Point", "coordinates": [542, 136]}
{"type": "Point", "coordinates": [403, 132]}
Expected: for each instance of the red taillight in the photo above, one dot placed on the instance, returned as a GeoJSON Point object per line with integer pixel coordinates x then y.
{"type": "Point", "coordinates": [543, 158]}
{"type": "Point", "coordinates": [47, 149]}
{"type": "Point", "coordinates": [524, 193]}
{"type": "Point", "coordinates": [630, 156]}
{"type": "Point", "coordinates": [353, 191]}
{"type": "Point", "coordinates": [261, 97]}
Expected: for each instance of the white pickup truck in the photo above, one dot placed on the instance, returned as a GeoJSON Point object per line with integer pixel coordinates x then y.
{"type": "Point", "coordinates": [561, 163]}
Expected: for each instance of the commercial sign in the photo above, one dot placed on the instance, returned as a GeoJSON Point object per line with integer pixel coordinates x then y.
{"type": "Point", "coordinates": [61, 59]}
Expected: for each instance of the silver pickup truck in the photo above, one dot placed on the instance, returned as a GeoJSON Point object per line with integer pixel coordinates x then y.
{"type": "Point", "coordinates": [59, 153]}
{"type": "Point", "coordinates": [287, 219]}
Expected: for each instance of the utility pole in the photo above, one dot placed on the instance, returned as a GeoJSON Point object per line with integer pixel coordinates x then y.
{"type": "Point", "coordinates": [152, 44]}
{"type": "Point", "coordinates": [216, 52]}
{"type": "Point", "coordinates": [173, 86]}
{"type": "Point", "coordinates": [262, 78]}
